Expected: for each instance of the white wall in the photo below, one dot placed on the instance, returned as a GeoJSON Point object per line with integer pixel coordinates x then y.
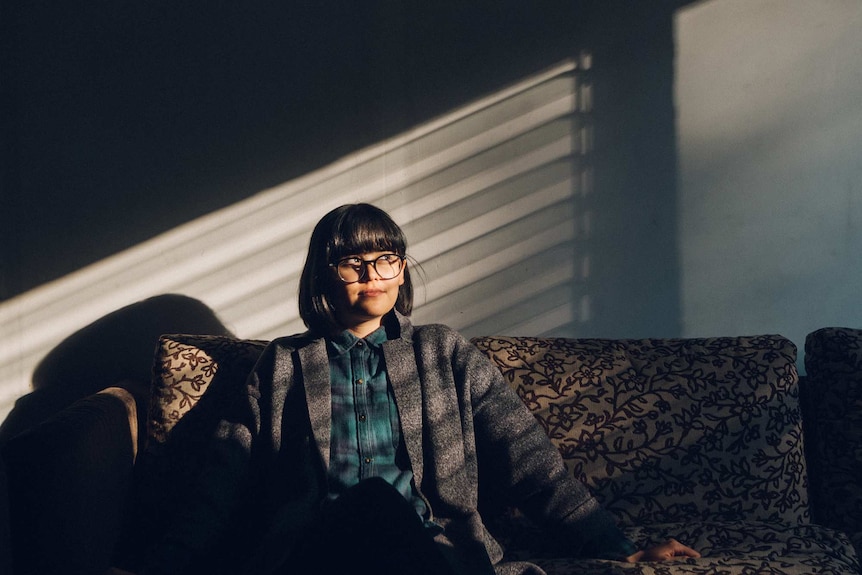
{"type": "Point", "coordinates": [769, 101]}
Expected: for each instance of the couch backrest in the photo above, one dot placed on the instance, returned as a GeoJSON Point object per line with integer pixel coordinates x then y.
{"type": "Point", "coordinates": [668, 430]}
{"type": "Point", "coordinates": [663, 430]}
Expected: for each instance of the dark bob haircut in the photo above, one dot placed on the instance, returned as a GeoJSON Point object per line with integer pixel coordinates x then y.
{"type": "Point", "coordinates": [348, 230]}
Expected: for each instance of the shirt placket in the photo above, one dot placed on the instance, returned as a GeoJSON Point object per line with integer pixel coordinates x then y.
{"type": "Point", "coordinates": [363, 407]}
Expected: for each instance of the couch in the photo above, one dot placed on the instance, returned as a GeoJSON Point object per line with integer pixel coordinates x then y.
{"type": "Point", "coordinates": [713, 441]}
{"type": "Point", "coordinates": [697, 439]}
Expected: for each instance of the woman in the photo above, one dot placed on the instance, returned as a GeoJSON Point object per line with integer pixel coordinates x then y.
{"type": "Point", "coordinates": [365, 441]}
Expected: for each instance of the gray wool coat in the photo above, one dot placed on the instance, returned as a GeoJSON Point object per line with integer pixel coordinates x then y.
{"type": "Point", "coordinates": [464, 431]}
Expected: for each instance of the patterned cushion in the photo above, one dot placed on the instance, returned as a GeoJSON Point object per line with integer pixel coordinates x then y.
{"type": "Point", "coordinates": [186, 366]}
{"type": "Point", "coordinates": [832, 394]}
{"type": "Point", "coordinates": [196, 380]}
{"type": "Point", "coordinates": [674, 430]}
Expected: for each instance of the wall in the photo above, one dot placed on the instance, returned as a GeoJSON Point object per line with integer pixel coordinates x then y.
{"type": "Point", "coordinates": [161, 148]}
{"type": "Point", "coordinates": [769, 128]}
{"type": "Point", "coordinates": [608, 169]}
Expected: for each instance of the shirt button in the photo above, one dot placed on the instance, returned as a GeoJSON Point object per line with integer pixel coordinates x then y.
{"type": "Point", "coordinates": [368, 460]}
{"type": "Point", "coordinates": [362, 417]}
{"type": "Point", "coordinates": [359, 344]}
{"type": "Point", "coordinates": [360, 381]}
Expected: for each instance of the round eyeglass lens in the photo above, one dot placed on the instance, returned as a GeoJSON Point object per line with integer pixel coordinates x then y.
{"type": "Point", "coordinates": [387, 266]}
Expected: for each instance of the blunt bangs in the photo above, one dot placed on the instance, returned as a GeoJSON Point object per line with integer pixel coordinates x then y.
{"type": "Point", "coordinates": [364, 229]}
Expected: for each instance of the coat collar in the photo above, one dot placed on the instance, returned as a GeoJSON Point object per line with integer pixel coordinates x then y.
{"type": "Point", "coordinates": [407, 388]}
{"type": "Point", "coordinates": [318, 395]}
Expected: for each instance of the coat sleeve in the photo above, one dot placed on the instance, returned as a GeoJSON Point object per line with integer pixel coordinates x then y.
{"type": "Point", "coordinates": [526, 469]}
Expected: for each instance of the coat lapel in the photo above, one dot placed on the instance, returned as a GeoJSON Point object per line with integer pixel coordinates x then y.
{"type": "Point", "coordinates": [406, 385]}
{"type": "Point", "coordinates": [318, 395]}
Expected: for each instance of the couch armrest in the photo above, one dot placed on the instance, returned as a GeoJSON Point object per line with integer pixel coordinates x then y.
{"type": "Point", "coordinates": [832, 411]}
{"type": "Point", "coordinates": [5, 539]}
{"type": "Point", "coordinates": [68, 481]}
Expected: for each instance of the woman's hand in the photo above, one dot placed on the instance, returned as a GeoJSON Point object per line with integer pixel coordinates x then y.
{"type": "Point", "coordinates": [667, 551]}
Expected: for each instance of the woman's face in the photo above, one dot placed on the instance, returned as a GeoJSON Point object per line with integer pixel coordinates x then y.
{"type": "Point", "coordinates": [361, 305]}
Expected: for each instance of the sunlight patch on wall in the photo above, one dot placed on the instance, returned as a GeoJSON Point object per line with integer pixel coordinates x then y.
{"type": "Point", "coordinates": [493, 197]}
{"type": "Point", "coordinates": [770, 203]}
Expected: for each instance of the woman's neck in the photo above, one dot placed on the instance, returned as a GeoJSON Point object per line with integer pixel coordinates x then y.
{"type": "Point", "coordinates": [365, 329]}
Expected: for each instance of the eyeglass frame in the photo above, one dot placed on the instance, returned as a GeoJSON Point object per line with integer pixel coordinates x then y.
{"type": "Point", "coordinates": [363, 273]}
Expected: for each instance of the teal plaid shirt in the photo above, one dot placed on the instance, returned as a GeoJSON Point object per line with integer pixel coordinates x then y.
{"type": "Point", "coordinates": [366, 428]}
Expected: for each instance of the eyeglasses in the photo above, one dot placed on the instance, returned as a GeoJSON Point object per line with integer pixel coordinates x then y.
{"type": "Point", "coordinates": [353, 269]}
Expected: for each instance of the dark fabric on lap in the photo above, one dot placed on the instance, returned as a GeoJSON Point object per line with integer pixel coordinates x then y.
{"type": "Point", "coordinates": [370, 528]}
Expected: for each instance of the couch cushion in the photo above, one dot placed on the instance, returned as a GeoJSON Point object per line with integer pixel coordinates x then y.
{"type": "Point", "coordinates": [669, 430]}
{"type": "Point", "coordinates": [727, 548]}
{"type": "Point", "coordinates": [186, 366]}
{"type": "Point", "coordinates": [832, 404]}
{"type": "Point", "coordinates": [197, 379]}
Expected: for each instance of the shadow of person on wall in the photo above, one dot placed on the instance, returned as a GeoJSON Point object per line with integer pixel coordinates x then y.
{"type": "Point", "coordinates": [116, 350]}
{"type": "Point", "coordinates": [65, 424]}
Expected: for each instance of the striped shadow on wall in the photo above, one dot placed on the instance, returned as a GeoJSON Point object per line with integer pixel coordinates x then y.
{"type": "Point", "coordinates": [494, 197]}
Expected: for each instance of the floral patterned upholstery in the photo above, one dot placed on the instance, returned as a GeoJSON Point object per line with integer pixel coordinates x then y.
{"type": "Point", "coordinates": [698, 439]}
{"type": "Point", "coordinates": [671, 430]}
{"type": "Point", "coordinates": [186, 366]}
{"type": "Point", "coordinates": [738, 548]}
{"type": "Point", "coordinates": [833, 416]}
{"type": "Point", "coordinates": [195, 381]}
{"type": "Point", "coordinates": [695, 439]}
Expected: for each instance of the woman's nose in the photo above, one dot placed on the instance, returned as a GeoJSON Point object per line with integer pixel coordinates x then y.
{"type": "Point", "coordinates": [367, 270]}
